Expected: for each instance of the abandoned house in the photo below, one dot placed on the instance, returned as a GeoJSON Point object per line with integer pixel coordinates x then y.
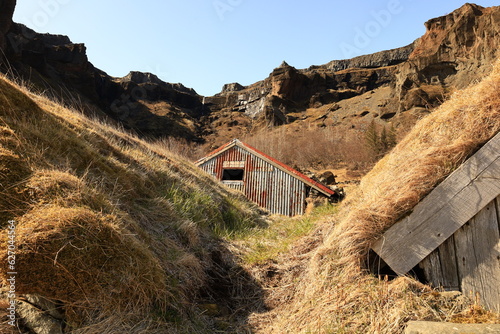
{"type": "Point", "coordinates": [452, 236]}
{"type": "Point", "coordinates": [271, 184]}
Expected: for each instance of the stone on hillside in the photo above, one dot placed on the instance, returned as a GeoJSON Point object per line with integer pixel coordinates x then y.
{"type": "Point", "coordinates": [327, 178]}
{"type": "Point", "coordinates": [429, 327]}
{"type": "Point", "coordinates": [40, 315]}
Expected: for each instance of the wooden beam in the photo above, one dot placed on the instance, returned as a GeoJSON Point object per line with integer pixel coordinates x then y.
{"type": "Point", "coordinates": [433, 271]}
{"type": "Point", "coordinates": [478, 257]}
{"type": "Point", "coordinates": [440, 266]}
{"type": "Point", "coordinates": [448, 259]}
{"type": "Point", "coordinates": [450, 205]}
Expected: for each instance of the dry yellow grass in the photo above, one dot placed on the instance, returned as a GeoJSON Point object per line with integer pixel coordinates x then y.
{"type": "Point", "coordinates": [117, 229]}
{"type": "Point", "coordinates": [95, 205]}
{"type": "Point", "coordinates": [83, 258]}
{"type": "Point", "coordinates": [334, 294]}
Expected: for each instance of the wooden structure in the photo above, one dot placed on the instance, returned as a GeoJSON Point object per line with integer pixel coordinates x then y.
{"type": "Point", "coordinates": [453, 234]}
{"type": "Point", "coordinates": [271, 184]}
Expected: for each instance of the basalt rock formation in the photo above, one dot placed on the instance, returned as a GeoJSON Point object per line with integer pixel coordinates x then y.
{"type": "Point", "coordinates": [396, 85]}
{"type": "Point", "coordinates": [378, 59]}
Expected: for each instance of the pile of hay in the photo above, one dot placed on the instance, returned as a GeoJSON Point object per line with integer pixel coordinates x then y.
{"type": "Point", "coordinates": [85, 260]}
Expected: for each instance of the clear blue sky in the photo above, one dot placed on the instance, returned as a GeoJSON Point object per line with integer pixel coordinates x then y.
{"type": "Point", "coordinates": [204, 44]}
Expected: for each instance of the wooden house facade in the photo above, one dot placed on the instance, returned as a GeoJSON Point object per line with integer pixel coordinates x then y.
{"type": "Point", "coordinates": [264, 180]}
{"type": "Point", "coordinates": [453, 234]}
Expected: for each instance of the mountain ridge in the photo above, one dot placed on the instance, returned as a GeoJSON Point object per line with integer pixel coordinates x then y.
{"type": "Point", "coordinates": [455, 50]}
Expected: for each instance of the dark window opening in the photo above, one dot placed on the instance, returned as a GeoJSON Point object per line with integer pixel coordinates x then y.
{"type": "Point", "coordinates": [232, 175]}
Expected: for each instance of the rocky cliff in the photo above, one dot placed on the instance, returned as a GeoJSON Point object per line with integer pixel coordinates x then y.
{"type": "Point", "coordinates": [140, 101]}
{"type": "Point", "coordinates": [396, 85]}
{"type": "Point", "coordinates": [457, 49]}
{"type": "Point", "coordinates": [6, 11]}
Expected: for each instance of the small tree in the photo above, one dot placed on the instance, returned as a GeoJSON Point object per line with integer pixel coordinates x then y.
{"type": "Point", "coordinates": [380, 142]}
{"type": "Point", "coordinates": [391, 137]}
{"type": "Point", "coordinates": [372, 138]}
{"type": "Point", "coordinates": [384, 144]}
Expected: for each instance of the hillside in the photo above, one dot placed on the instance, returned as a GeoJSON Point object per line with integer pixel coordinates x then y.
{"type": "Point", "coordinates": [393, 87]}
{"type": "Point", "coordinates": [322, 284]}
{"type": "Point", "coordinates": [115, 233]}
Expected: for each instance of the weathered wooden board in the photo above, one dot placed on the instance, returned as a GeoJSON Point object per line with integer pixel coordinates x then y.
{"type": "Point", "coordinates": [431, 266]}
{"type": "Point", "coordinates": [448, 260]}
{"type": "Point", "coordinates": [440, 266]}
{"type": "Point", "coordinates": [479, 257]}
{"type": "Point", "coordinates": [430, 327]}
{"type": "Point", "coordinates": [455, 201]}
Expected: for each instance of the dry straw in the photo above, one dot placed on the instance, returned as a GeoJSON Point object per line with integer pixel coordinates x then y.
{"type": "Point", "coordinates": [85, 259]}
{"type": "Point", "coordinates": [116, 230]}
{"type": "Point", "coordinates": [335, 295]}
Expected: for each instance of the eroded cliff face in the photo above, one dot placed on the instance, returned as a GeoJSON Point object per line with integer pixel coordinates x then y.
{"type": "Point", "coordinates": [456, 50]}
{"type": "Point", "coordinates": [398, 85]}
{"type": "Point", "coordinates": [139, 101]}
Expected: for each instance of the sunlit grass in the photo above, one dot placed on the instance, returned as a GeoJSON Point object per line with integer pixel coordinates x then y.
{"type": "Point", "coordinates": [264, 244]}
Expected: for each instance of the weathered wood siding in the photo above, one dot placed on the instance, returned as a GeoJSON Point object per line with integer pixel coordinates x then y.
{"type": "Point", "coordinates": [469, 260]}
{"type": "Point", "coordinates": [268, 186]}
{"type": "Point", "coordinates": [445, 210]}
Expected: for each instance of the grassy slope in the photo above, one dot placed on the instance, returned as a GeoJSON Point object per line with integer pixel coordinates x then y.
{"type": "Point", "coordinates": [331, 293]}
{"type": "Point", "coordinates": [122, 232]}
{"type": "Point", "coordinates": [117, 229]}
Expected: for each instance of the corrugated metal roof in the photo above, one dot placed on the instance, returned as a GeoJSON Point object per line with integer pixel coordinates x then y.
{"type": "Point", "coordinates": [278, 164]}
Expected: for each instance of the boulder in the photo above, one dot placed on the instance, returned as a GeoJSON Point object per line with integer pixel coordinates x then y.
{"type": "Point", "coordinates": [40, 315]}
{"type": "Point", "coordinates": [429, 327]}
{"type": "Point", "coordinates": [327, 178]}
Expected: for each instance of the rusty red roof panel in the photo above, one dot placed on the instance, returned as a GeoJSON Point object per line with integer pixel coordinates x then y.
{"type": "Point", "coordinates": [291, 170]}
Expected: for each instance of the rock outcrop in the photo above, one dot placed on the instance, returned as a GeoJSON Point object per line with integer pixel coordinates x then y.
{"type": "Point", "coordinates": [140, 101]}
{"type": "Point", "coordinates": [398, 85]}
{"type": "Point", "coordinates": [456, 50]}
{"type": "Point", "coordinates": [232, 87]}
{"type": "Point", "coordinates": [378, 59]}
{"type": "Point", "coordinates": [6, 11]}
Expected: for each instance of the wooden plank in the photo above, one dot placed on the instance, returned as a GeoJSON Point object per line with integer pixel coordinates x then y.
{"type": "Point", "coordinates": [457, 180]}
{"type": "Point", "coordinates": [402, 248]}
{"type": "Point", "coordinates": [448, 260]}
{"type": "Point", "coordinates": [440, 267]}
{"type": "Point", "coordinates": [497, 201]}
{"type": "Point", "coordinates": [431, 266]}
{"type": "Point", "coordinates": [477, 251]}
{"type": "Point", "coordinates": [455, 201]}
